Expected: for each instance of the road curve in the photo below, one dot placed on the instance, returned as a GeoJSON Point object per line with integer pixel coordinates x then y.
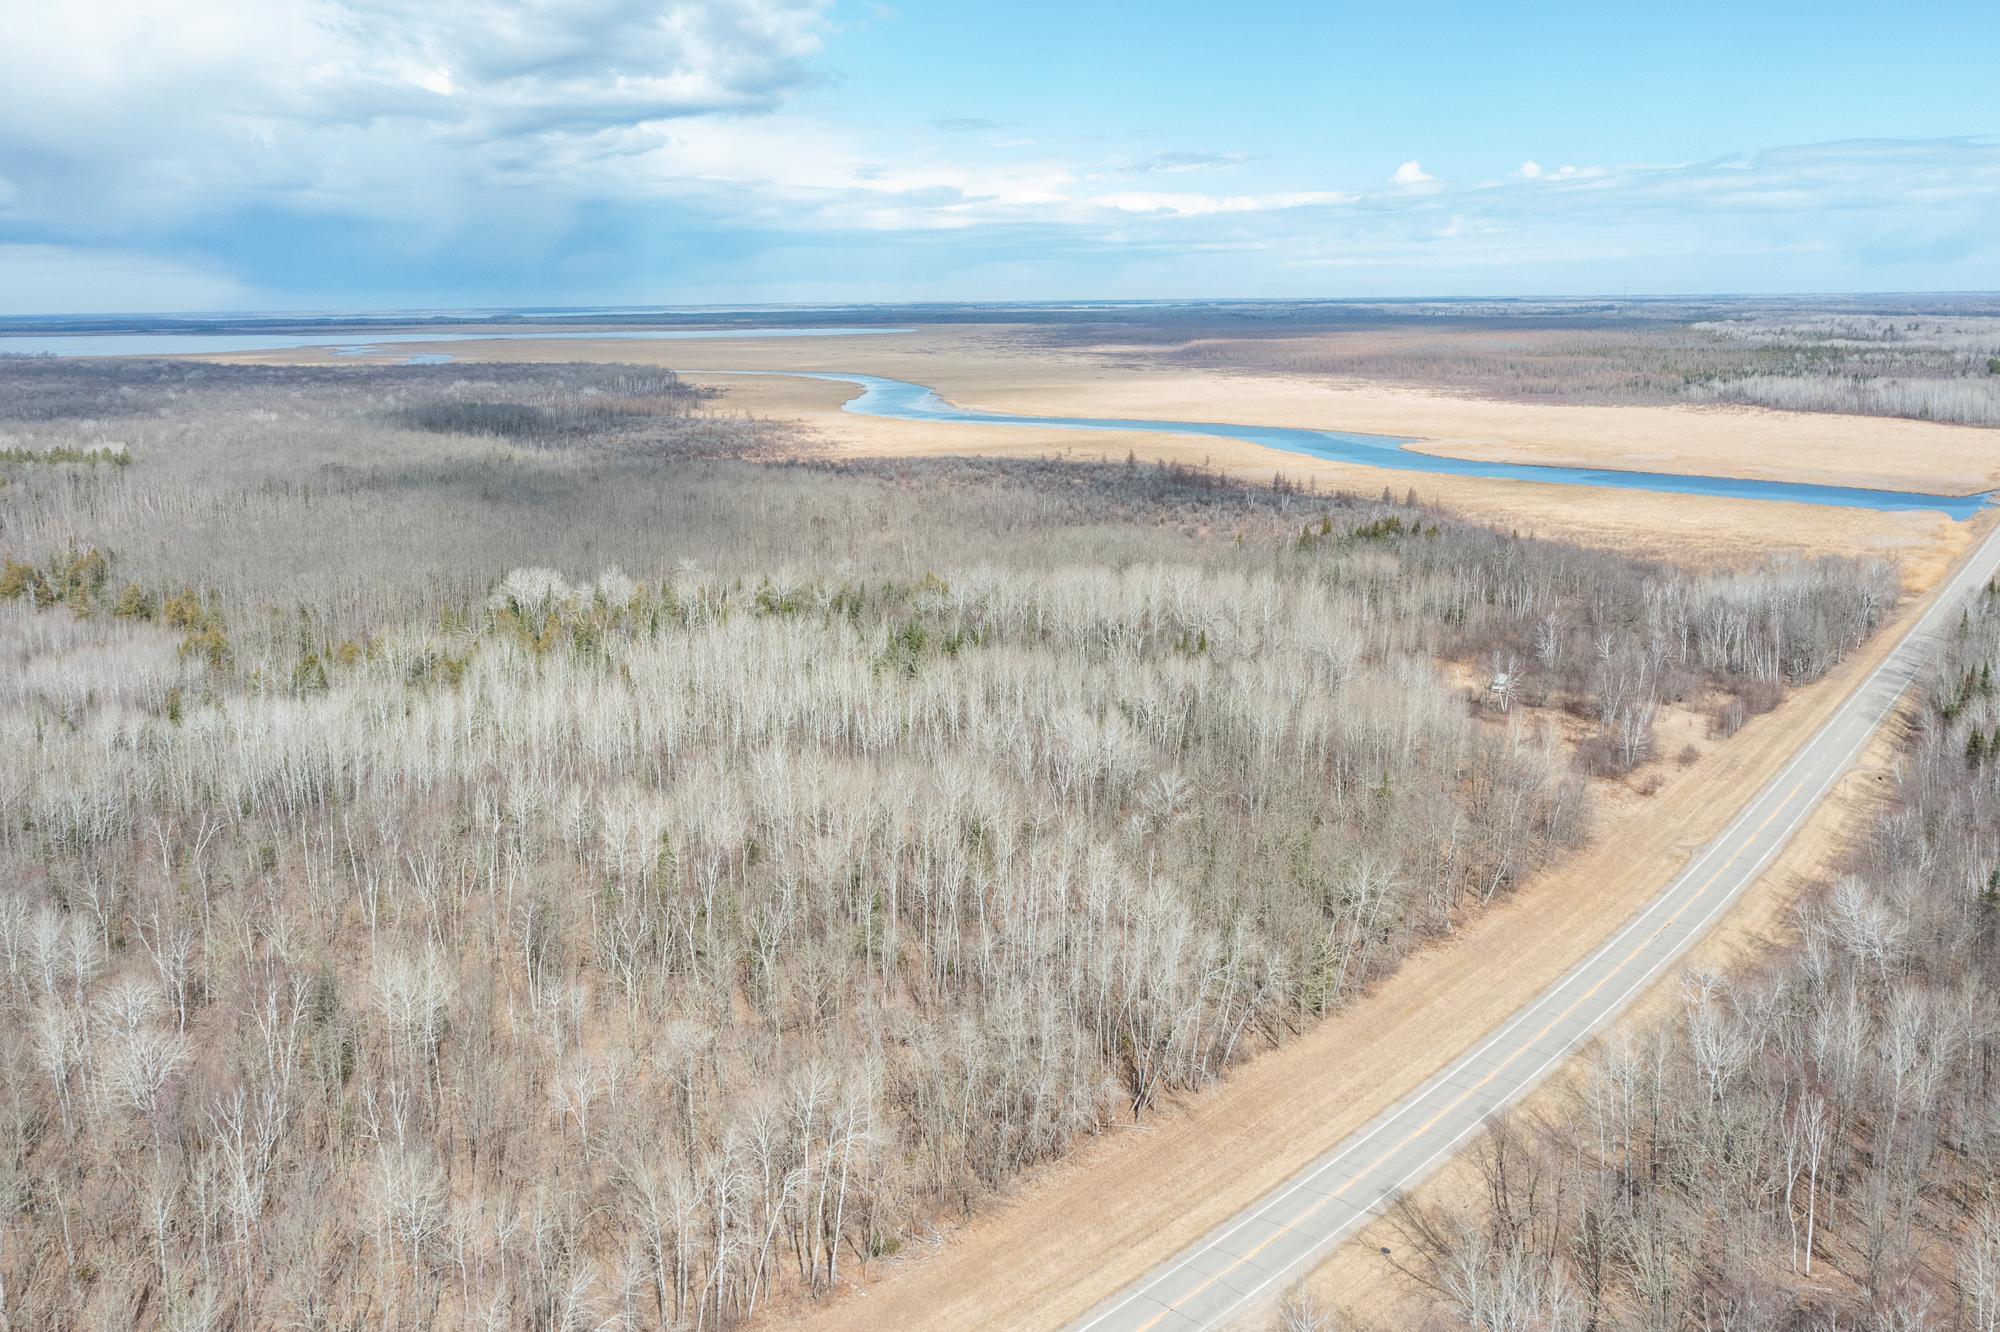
{"type": "Point", "coordinates": [1247, 1260]}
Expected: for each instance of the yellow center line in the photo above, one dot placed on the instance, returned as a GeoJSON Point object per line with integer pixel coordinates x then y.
{"type": "Point", "coordinates": [1455, 1102]}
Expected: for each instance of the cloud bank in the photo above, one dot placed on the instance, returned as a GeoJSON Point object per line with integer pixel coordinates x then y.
{"type": "Point", "coordinates": [344, 152]}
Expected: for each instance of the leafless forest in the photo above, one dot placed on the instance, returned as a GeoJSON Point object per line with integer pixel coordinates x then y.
{"type": "Point", "coordinates": [1812, 1142]}
{"type": "Point", "coordinates": [1935, 359]}
{"type": "Point", "coordinates": [523, 847]}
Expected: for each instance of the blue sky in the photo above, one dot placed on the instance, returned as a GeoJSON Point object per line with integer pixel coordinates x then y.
{"type": "Point", "coordinates": [340, 154]}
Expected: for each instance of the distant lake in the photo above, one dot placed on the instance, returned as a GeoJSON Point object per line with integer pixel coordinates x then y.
{"type": "Point", "coordinates": [366, 343]}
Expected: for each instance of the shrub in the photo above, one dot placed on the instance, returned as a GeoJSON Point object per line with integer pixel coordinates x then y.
{"type": "Point", "coordinates": [18, 580]}
{"type": "Point", "coordinates": [135, 603]}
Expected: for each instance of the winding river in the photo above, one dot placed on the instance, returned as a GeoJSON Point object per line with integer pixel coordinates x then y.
{"type": "Point", "coordinates": [904, 401]}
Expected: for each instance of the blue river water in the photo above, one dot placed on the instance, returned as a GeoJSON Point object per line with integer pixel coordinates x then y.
{"type": "Point", "coordinates": [366, 343]}
{"type": "Point", "coordinates": [913, 402]}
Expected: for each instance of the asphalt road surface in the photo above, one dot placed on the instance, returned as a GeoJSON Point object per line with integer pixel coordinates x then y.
{"type": "Point", "coordinates": [1249, 1260]}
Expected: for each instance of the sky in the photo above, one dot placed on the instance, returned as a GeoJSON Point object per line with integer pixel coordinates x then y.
{"type": "Point", "coordinates": [404, 154]}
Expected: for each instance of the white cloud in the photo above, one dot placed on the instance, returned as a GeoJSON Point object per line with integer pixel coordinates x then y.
{"type": "Point", "coordinates": [1176, 163]}
{"type": "Point", "coordinates": [1207, 205]}
{"type": "Point", "coordinates": [133, 106]}
{"type": "Point", "coordinates": [1856, 215]}
{"type": "Point", "coordinates": [235, 138]}
{"type": "Point", "coordinates": [794, 171]}
{"type": "Point", "coordinates": [1460, 225]}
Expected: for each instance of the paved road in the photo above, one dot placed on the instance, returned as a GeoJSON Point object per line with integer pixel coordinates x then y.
{"type": "Point", "coordinates": [1250, 1259]}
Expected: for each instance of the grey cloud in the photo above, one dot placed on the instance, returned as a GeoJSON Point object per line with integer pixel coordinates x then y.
{"type": "Point", "coordinates": [1176, 162]}
{"type": "Point", "coordinates": [208, 105]}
